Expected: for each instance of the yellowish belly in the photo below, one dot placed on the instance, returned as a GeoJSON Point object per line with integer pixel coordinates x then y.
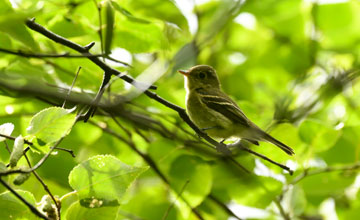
{"type": "Point", "coordinates": [213, 123]}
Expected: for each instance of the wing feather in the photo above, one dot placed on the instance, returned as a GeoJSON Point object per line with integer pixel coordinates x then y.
{"type": "Point", "coordinates": [223, 105]}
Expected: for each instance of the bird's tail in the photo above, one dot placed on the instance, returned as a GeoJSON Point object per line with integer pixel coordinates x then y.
{"type": "Point", "coordinates": [282, 146]}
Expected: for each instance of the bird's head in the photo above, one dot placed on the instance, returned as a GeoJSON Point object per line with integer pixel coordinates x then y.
{"type": "Point", "coordinates": [200, 76]}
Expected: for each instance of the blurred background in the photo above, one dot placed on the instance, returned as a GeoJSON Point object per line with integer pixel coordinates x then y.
{"type": "Point", "coordinates": [291, 65]}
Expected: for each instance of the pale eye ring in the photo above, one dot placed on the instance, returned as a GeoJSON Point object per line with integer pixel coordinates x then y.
{"type": "Point", "coordinates": [201, 75]}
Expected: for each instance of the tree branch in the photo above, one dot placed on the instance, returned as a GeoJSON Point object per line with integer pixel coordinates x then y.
{"type": "Point", "coordinates": [223, 206]}
{"type": "Point", "coordinates": [41, 161]}
{"type": "Point", "coordinates": [182, 113]}
{"type": "Point", "coordinates": [166, 214]}
{"type": "Point", "coordinates": [325, 170]}
{"type": "Point", "coordinates": [46, 188]}
{"type": "Point", "coordinates": [71, 152]}
{"type": "Point", "coordinates": [83, 50]}
{"type": "Point", "coordinates": [148, 160]}
{"type": "Point", "coordinates": [277, 202]}
{"type": "Point", "coordinates": [30, 206]}
{"type": "Point", "coordinates": [62, 55]}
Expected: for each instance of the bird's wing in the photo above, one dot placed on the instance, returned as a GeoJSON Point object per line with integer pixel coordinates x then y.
{"type": "Point", "coordinates": [224, 105]}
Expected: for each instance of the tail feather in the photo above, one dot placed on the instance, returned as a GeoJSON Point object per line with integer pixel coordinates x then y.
{"type": "Point", "coordinates": [282, 146]}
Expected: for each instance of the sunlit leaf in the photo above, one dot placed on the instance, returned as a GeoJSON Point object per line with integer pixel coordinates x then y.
{"type": "Point", "coordinates": [321, 186]}
{"type": "Point", "coordinates": [345, 150]}
{"type": "Point", "coordinates": [77, 211]}
{"type": "Point", "coordinates": [51, 124]}
{"type": "Point", "coordinates": [126, 13]}
{"type": "Point", "coordinates": [138, 37]}
{"type": "Point", "coordinates": [319, 136]}
{"type": "Point", "coordinates": [14, 25]}
{"type": "Point", "coordinates": [102, 180]}
{"type": "Point", "coordinates": [13, 208]}
{"type": "Point", "coordinates": [193, 176]}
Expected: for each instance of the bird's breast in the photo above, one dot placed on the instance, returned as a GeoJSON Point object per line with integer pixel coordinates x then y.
{"type": "Point", "coordinates": [214, 123]}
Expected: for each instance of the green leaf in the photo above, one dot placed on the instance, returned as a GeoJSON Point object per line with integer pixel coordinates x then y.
{"type": "Point", "coordinates": [109, 27]}
{"type": "Point", "coordinates": [232, 183]}
{"type": "Point", "coordinates": [51, 124]}
{"type": "Point", "coordinates": [155, 191]}
{"type": "Point", "coordinates": [193, 176]}
{"type": "Point", "coordinates": [126, 13]}
{"type": "Point", "coordinates": [13, 208]}
{"type": "Point", "coordinates": [5, 41]}
{"type": "Point", "coordinates": [318, 135]}
{"type": "Point", "coordinates": [259, 192]}
{"type": "Point", "coordinates": [2, 167]}
{"type": "Point", "coordinates": [138, 37]}
{"type": "Point", "coordinates": [102, 180]}
{"type": "Point", "coordinates": [66, 27]}
{"type": "Point", "coordinates": [308, 130]}
{"type": "Point", "coordinates": [351, 212]}
{"type": "Point", "coordinates": [295, 200]}
{"type": "Point", "coordinates": [76, 211]}
{"type": "Point", "coordinates": [165, 11]}
{"type": "Point", "coordinates": [340, 31]}
{"type": "Point", "coordinates": [346, 148]}
{"type": "Point", "coordinates": [5, 7]}
{"type": "Point", "coordinates": [321, 186]}
{"type": "Point", "coordinates": [14, 25]}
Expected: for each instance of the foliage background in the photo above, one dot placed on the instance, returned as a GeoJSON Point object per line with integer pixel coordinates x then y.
{"type": "Point", "coordinates": [292, 66]}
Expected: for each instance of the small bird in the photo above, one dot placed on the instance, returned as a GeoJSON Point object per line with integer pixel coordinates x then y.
{"type": "Point", "coordinates": [216, 113]}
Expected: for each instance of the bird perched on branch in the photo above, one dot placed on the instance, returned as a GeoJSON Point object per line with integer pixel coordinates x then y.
{"type": "Point", "coordinates": [216, 113]}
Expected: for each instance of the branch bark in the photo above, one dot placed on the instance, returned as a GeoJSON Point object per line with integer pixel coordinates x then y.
{"type": "Point", "coordinates": [108, 70]}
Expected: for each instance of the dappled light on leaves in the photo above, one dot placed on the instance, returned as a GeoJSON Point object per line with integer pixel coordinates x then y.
{"type": "Point", "coordinates": [291, 66]}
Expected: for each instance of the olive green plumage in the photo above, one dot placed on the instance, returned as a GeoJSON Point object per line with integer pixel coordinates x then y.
{"type": "Point", "coordinates": [212, 110]}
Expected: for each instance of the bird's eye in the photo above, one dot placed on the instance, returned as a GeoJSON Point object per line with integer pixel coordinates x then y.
{"type": "Point", "coordinates": [202, 75]}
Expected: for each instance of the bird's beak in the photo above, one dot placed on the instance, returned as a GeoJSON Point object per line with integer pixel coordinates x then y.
{"type": "Point", "coordinates": [184, 72]}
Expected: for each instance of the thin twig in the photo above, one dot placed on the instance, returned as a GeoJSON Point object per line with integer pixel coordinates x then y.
{"type": "Point", "coordinates": [220, 146]}
{"type": "Point", "coordinates": [30, 143]}
{"type": "Point", "coordinates": [30, 206]}
{"type": "Point", "coordinates": [61, 55]}
{"type": "Point", "coordinates": [172, 204]}
{"type": "Point", "coordinates": [182, 113]}
{"type": "Point", "coordinates": [133, 147]}
{"type": "Point", "coordinates": [143, 136]}
{"type": "Point", "coordinates": [117, 61]}
{"type": "Point", "coordinates": [41, 161]}
{"type": "Point", "coordinates": [128, 133]}
{"type": "Point", "coordinates": [71, 152]}
{"type": "Point", "coordinates": [7, 147]}
{"type": "Point", "coordinates": [281, 209]}
{"type": "Point", "coordinates": [268, 159]}
{"type": "Point", "coordinates": [72, 86]}
{"type": "Point", "coordinates": [237, 164]}
{"type": "Point", "coordinates": [13, 138]}
{"type": "Point", "coordinates": [147, 159]}
{"type": "Point", "coordinates": [83, 50]}
{"type": "Point", "coordinates": [46, 188]}
{"type": "Point", "coordinates": [223, 206]}
{"type": "Point", "coordinates": [325, 170]}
